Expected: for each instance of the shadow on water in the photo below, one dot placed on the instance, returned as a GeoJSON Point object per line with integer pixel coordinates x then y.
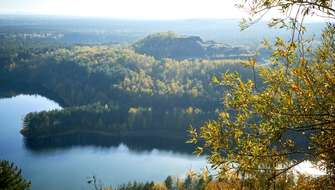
{"type": "Point", "coordinates": [135, 144]}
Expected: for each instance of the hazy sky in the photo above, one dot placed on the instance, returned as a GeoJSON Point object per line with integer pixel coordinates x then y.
{"type": "Point", "coordinates": [134, 9]}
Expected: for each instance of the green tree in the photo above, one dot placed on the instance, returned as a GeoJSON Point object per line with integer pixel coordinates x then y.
{"type": "Point", "coordinates": [11, 178]}
{"type": "Point", "coordinates": [260, 134]}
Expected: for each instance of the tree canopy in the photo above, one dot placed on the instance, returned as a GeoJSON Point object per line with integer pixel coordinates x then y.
{"type": "Point", "coordinates": [11, 177]}
{"type": "Point", "coordinates": [259, 134]}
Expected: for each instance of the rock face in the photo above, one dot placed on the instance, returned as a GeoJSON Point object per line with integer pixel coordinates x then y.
{"type": "Point", "coordinates": [171, 45]}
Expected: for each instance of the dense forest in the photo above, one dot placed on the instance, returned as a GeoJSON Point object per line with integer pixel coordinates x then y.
{"type": "Point", "coordinates": [114, 89]}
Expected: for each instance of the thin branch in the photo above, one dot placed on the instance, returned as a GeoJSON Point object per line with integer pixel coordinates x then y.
{"type": "Point", "coordinates": [285, 170]}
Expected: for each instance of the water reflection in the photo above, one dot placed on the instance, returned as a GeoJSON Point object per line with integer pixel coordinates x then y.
{"type": "Point", "coordinates": [135, 144]}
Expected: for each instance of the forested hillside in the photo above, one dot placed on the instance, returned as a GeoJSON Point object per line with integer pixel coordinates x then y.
{"type": "Point", "coordinates": [116, 90]}
{"type": "Point", "coordinates": [171, 45]}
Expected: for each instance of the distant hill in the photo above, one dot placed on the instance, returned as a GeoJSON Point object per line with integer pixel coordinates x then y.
{"type": "Point", "coordinates": [170, 45]}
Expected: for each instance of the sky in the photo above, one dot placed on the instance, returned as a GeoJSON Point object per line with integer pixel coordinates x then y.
{"type": "Point", "coordinates": [127, 9]}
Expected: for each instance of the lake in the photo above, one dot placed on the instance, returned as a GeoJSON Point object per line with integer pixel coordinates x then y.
{"type": "Point", "coordinates": [69, 163]}
{"type": "Point", "coordinates": [70, 166]}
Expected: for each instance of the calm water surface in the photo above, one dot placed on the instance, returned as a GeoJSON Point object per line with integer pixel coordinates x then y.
{"type": "Point", "coordinates": [70, 167]}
